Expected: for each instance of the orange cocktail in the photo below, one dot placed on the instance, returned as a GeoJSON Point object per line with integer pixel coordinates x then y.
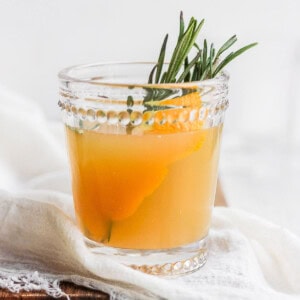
{"type": "Point", "coordinates": [149, 191]}
{"type": "Point", "coordinates": [144, 162]}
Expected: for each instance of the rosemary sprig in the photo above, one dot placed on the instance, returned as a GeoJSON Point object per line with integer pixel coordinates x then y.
{"type": "Point", "coordinates": [205, 64]}
{"type": "Point", "coordinates": [188, 67]}
{"type": "Point", "coordinates": [182, 49]}
{"type": "Point", "coordinates": [230, 57]}
{"type": "Point", "coordinates": [226, 45]}
{"type": "Point", "coordinates": [161, 59]}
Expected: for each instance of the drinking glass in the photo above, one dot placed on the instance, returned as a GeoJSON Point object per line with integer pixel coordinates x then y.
{"type": "Point", "coordinates": [144, 160]}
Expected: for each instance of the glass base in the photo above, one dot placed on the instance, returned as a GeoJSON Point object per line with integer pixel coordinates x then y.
{"type": "Point", "coordinates": [166, 262]}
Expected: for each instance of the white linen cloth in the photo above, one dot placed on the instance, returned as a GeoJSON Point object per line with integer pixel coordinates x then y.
{"type": "Point", "coordinates": [40, 244]}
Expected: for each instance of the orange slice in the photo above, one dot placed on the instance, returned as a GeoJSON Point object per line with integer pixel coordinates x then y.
{"type": "Point", "coordinates": [189, 100]}
{"type": "Point", "coordinates": [116, 172]}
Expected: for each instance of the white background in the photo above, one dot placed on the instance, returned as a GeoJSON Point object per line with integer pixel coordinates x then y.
{"type": "Point", "coordinates": [260, 163]}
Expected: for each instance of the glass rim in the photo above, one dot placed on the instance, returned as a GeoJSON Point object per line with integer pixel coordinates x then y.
{"type": "Point", "coordinates": [64, 75]}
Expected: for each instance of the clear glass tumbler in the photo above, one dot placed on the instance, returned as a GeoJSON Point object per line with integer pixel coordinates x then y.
{"type": "Point", "coordinates": [144, 160]}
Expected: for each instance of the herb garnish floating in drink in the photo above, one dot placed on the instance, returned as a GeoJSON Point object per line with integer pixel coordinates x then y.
{"type": "Point", "coordinates": [144, 170]}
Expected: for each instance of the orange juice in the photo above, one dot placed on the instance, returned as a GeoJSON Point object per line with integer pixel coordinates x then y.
{"type": "Point", "coordinates": [148, 191]}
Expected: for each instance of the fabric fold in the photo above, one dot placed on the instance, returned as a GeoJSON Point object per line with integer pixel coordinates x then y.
{"type": "Point", "coordinates": [247, 254]}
